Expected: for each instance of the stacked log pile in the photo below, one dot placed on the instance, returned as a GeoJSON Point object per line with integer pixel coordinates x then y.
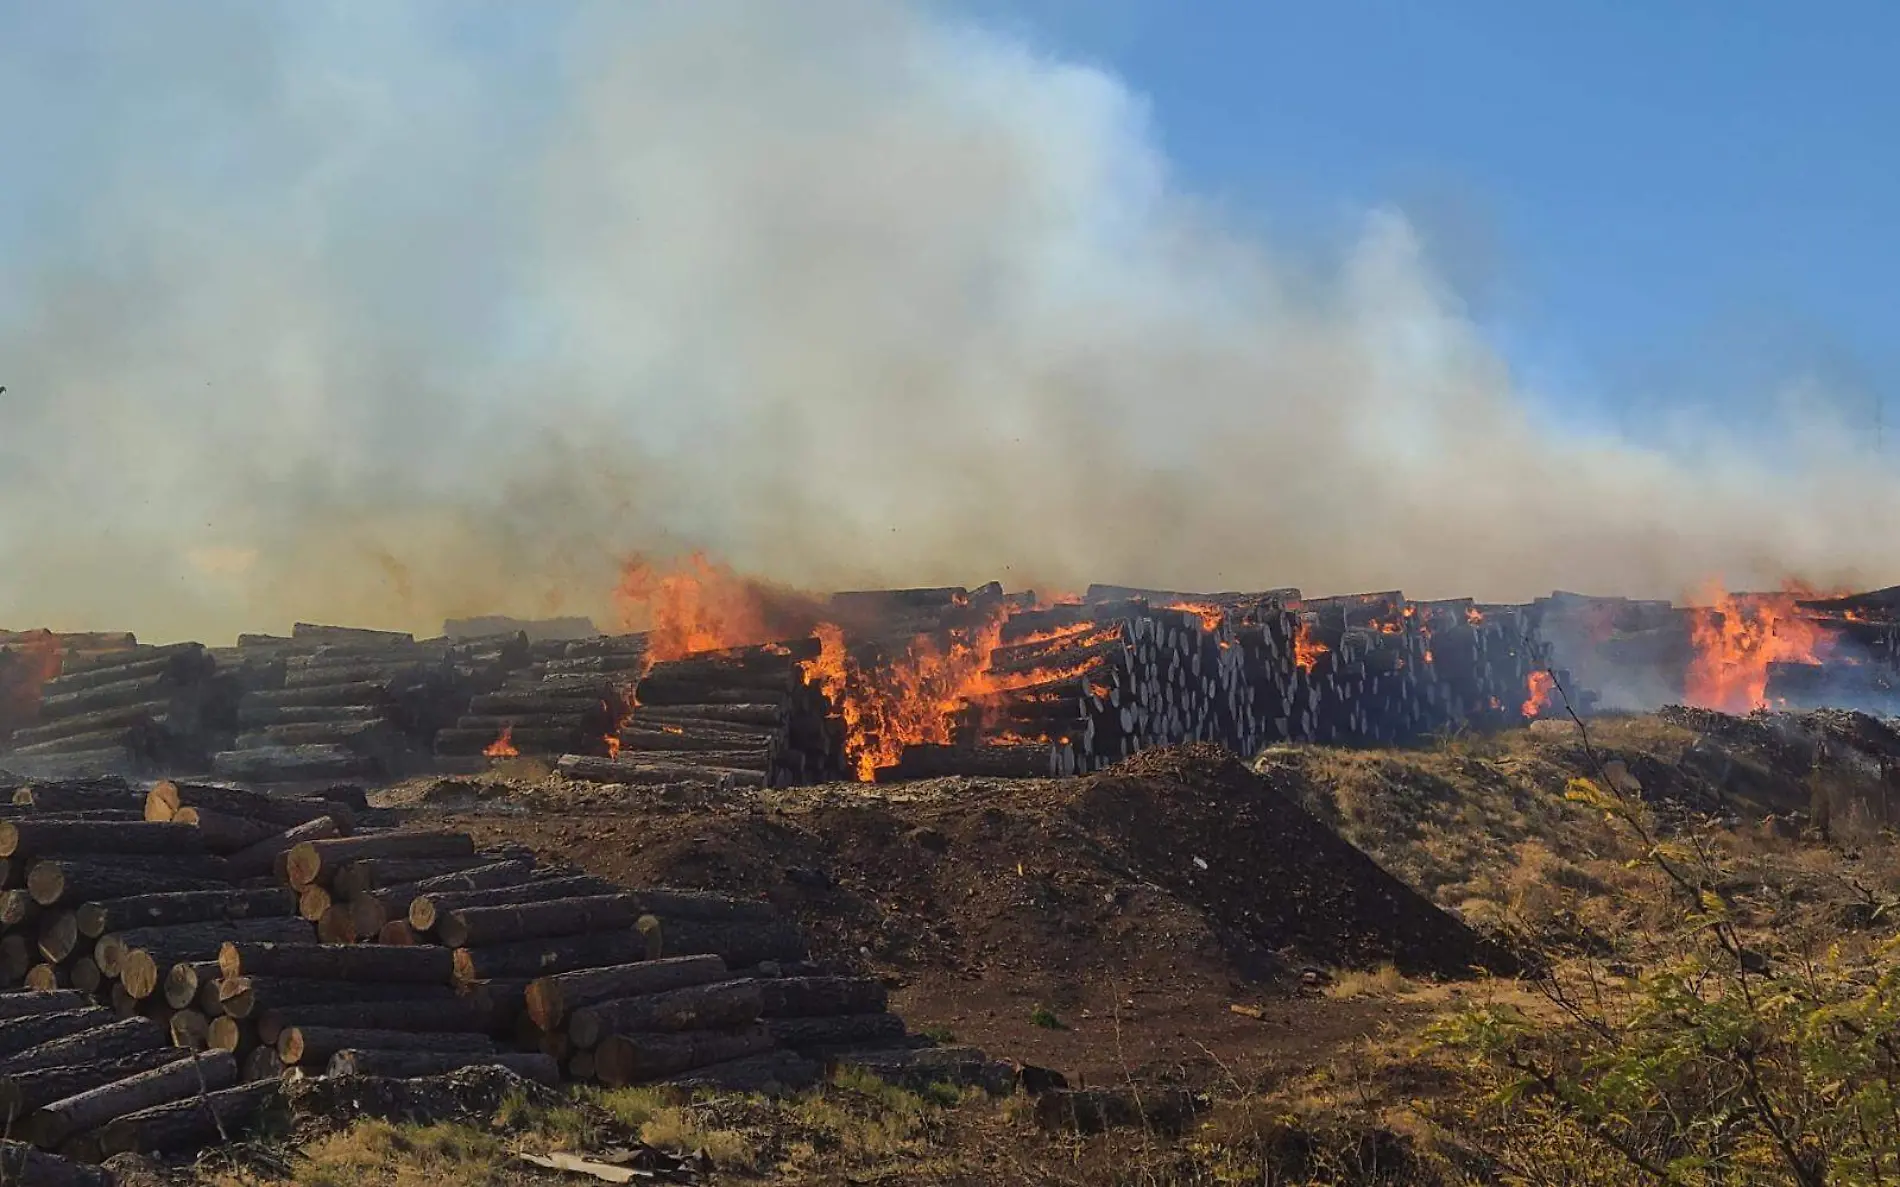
{"type": "Point", "coordinates": [28, 659]}
{"type": "Point", "coordinates": [331, 703]}
{"type": "Point", "coordinates": [569, 698]}
{"type": "Point", "coordinates": [123, 707]}
{"type": "Point", "coordinates": [1076, 687]}
{"type": "Point", "coordinates": [1857, 667]}
{"type": "Point", "coordinates": [189, 944]}
{"type": "Point", "coordinates": [898, 615]}
{"type": "Point", "coordinates": [1635, 651]}
{"type": "Point", "coordinates": [743, 717]}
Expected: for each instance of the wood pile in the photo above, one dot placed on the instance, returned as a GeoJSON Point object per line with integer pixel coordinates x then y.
{"type": "Point", "coordinates": [568, 698]}
{"type": "Point", "coordinates": [170, 954]}
{"type": "Point", "coordinates": [28, 659]}
{"type": "Point", "coordinates": [898, 615]}
{"type": "Point", "coordinates": [737, 718]}
{"type": "Point", "coordinates": [1077, 687]}
{"type": "Point", "coordinates": [105, 703]}
{"type": "Point", "coordinates": [332, 703]}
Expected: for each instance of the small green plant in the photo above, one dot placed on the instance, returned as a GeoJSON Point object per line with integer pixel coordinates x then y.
{"type": "Point", "coordinates": [939, 1034]}
{"type": "Point", "coordinates": [1046, 1018]}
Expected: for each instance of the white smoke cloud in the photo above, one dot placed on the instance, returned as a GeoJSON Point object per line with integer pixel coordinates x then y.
{"type": "Point", "coordinates": [332, 316]}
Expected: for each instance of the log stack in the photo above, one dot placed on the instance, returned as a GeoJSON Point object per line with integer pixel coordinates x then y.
{"type": "Point", "coordinates": [121, 707]}
{"type": "Point", "coordinates": [568, 699]}
{"type": "Point", "coordinates": [1076, 687]}
{"type": "Point", "coordinates": [173, 945]}
{"type": "Point", "coordinates": [331, 703]}
{"type": "Point", "coordinates": [28, 659]}
{"type": "Point", "coordinates": [742, 717]}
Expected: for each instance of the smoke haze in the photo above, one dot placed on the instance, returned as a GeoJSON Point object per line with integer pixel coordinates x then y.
{"type": "Point", "coordinates": [315, 312]}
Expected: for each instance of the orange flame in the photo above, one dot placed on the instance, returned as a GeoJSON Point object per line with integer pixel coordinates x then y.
{"type": "Point", "coordinates": [27, 662]}
{"type": "Point", "coordinates": [1736, 637]}
{"type": "Point", "coordinates": [1307, 649]}
{"type": "Point", "coordinates": [1537, 690]}
{"type": "Point", "coordinates": [1211, 616]}
{"type": "Point", "coordinates": [699, 604]}
{"type": "Point", "coordinates": [503, 747]}
{"type": "Point", "coordinates": [917, 697]}
{"type": "Point", "coordinates": [613, 745]}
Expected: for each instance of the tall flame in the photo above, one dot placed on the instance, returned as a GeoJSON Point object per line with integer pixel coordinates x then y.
{"type": "Point", "coordinates": [1537, 691]}
{"type": "Point", "coordinates": [504, 746]}
{"type": "Point", "coordinates": [696, 603]}
{"type": "Point", "coordinates": [911, 699]}
{"type": "Point", "coordinates": [1307, 649]}
{"type": "Point", "coordinates": [1736, 637]}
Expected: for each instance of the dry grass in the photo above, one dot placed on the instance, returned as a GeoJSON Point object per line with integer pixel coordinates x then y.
{"type": "Point", "coordinates": [1384, 981]}
{"type": "Point", "coordinates": [382, 1154]}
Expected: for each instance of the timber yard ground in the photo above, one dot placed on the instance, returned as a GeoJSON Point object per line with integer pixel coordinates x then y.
{"type": "Point", "coordinates": [1198, 942]}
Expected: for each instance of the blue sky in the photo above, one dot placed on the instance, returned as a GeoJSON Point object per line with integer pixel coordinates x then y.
{"type": "Point", "coordinates": [1684, 203]}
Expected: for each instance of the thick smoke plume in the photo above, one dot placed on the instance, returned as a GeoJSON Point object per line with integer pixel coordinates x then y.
{"type": "Point", "coordinates": [385, 313]}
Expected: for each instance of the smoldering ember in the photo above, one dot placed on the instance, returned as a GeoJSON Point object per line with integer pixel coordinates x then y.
{"type": "Point", "coordinates": [213, 893]}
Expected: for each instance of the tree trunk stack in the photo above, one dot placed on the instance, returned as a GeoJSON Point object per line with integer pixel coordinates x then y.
{"type": "Point", "coordinates": [737, 718]}
{"type": "Point", "coordinates": [333, 703]}
{"type": "Point", "coordinates": [1074, 688]}
{"type": "Point", "coordinates": [569, 697]}
{"type": "Point", "coordinates": [104, 704]}
{"type": "Point", "coordinates": [185, 945]}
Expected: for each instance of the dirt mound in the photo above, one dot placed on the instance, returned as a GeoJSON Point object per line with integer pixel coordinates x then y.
{"type": "Point", "coordinates": [1195, 820]}
{"type": "Point", "coordinates": [1181, 847]}
{"type": "Point", "coordinates": [1017, 913]}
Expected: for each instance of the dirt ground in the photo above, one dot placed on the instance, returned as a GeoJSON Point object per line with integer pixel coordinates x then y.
{"type": "Point", "coordinates": [1105, 927]}
{"type": "Point", "coordinates": [1277, 936]}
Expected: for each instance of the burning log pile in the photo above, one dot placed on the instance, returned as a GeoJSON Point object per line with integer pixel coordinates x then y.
{"type": "Point", "coordinates": [1076, 687]}
{"type": "Point", "coordinates": [107, 704]}
{"type": "Point", "coordinates": [740, 717]}
{"type": "Point", "coordinates": [331, 703]}
{"type": "Point", "coordinates": [569, 698]}
{"type": "Point", "coordinates": [1734, 652]}
{"type": "Point", "coordinates": [739, 684]}
{"type": "Point", "coordinates": [180, 949]}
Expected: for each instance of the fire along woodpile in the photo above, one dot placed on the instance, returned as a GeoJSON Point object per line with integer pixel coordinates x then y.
{"type": "Point", "coordinates": [1793, 649]}
{"type": "Point", "coordinates": [171, 953]}
{"type": "Point", "coordinates": [736, 685]}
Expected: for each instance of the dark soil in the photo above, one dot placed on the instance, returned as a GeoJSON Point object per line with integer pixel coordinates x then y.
{"type": "Point", "coordinates": [1101, 925]}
